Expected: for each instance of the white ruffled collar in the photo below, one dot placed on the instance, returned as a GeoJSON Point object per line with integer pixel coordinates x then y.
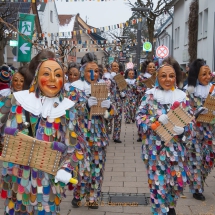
{"type": "Point", "coordinates": [167, 97]}
{"type": "Point", "coordinates": [84, 86]}
{"type": "Point", "coordinates": [202, 91]}
{"type": "Point", "coordinates": [43, 106]}
{"type": "Point", "coordinates": [67, 86]}
{"type": "Point", "coordinates": [107, 75]}
{"type": "Point", "coordinates": [5, 92]}
{"type": "Point", "coordinates": [113, 74]}
{"type": "Point", "coordinates": [147, 75]}
{"type": "Point", "coordinates": [130, 81]}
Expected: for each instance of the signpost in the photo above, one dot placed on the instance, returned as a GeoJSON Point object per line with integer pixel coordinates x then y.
{"type": "Point", "coordinates": [110, 60]}
{"type": "Point", "coordinates": [26, 28]}
{"type": "Point", "coordinates": [147, 47]}
{"type": "Point", "coordinates": [162, 52]}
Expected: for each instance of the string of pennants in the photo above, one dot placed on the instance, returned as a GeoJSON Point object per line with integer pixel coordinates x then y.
{"type": "Point", "coordinates": [46, 1]}
{"type": "Point", "coordinates": [93, 30]}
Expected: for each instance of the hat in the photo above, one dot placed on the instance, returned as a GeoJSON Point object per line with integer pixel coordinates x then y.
{"type": "Point", "coordinates": [5, 68]}
{"type": "Point", "coordinates": [4, 76]}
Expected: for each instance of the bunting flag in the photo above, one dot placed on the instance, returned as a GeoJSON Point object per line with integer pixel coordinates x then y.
{"type": "Point", "coordinates": [72, 34]}
{"type": "Point", "coordinates": [93, 30]}
{"type": "Point", "coordinates": [46, 1]}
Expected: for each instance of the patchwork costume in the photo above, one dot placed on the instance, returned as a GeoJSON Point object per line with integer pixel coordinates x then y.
{"type": "Point", "coordinates": [91, 173]}
{"type": "Point", "coordinates": [201, 150]}
{"type": "Point", "coordinates": [130, 104]}
{"type": "Point", "coordinates": [29, 190]}
{"type": "Point", "coordinates": [167, 168]}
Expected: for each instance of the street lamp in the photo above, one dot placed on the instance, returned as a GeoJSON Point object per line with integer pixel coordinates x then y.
{"type": "Point", "coordinates": [139, 9]}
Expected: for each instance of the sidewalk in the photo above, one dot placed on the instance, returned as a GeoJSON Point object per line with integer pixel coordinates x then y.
{"type": "Point", "coordinates": [125, 173]}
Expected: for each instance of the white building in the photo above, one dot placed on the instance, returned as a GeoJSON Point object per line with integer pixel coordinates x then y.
{"type": "Point", "coordinates": [179, 34]}
{"type": "Point", "coordinates": [89, 41]}
{"type": "Point", "coordinates": [49, 21]}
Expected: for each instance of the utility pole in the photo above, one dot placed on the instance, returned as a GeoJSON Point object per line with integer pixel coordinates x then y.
{"type": "Point", "coordinates": [138, 46]}
{"type": "Point", "coordinates": [140, 9]}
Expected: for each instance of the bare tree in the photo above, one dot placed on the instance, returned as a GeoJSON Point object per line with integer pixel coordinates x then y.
{"type": "Point", "coordinates": [64, 49]}
{"type": "Point", "coordinates": [155, 10]}
{"type": "Point", "coordinates": [7, 14]}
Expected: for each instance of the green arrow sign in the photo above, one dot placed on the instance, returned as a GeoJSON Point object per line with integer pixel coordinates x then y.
{"type": "Point", "coordinates": [147, 46]}
{"type": "Point", "coordinates": [26, 28]}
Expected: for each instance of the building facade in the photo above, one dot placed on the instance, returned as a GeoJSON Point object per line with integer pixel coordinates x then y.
{"type": "Point", "coordinates": [176, 29]}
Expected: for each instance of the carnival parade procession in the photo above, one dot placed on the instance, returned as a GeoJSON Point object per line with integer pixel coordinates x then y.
{"type": "Point", "coordinates": [109, 120]}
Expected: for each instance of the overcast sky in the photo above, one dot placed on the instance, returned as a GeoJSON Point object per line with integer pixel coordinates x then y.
{"type": "Point", "coordinates": [99, 14]}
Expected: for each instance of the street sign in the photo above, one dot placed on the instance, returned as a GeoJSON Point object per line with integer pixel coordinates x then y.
{"type": "Point", "coordinates": [13, 43]}
{"type": "Point", "coordinates": [26, 28]}
{"type": "Point", "coordinates": [110, 60]}
{"type": "Point", "coordinates": [162, 51]}
{"type": "Point", "coordinates": [147, 47]}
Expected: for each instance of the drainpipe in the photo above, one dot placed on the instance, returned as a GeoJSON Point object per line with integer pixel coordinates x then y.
{"type": "Point", "coordinates": [214, 47]}
{"type": "Point", "coordinates": [170, 45]}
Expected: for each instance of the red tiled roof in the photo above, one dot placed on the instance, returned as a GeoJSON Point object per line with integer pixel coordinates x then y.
{"type": "Point", "coordinates": [65, 19]}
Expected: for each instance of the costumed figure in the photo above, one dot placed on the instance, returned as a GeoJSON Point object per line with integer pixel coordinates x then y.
{"type": "Point", "coordinates": [117, 98]}
{"type": "Point", "coordinates": [147, 69]}
{"type": "Point", "coordinates": [108, 120]}
{"type": "Point", "coordinates": [93, 129]}
{"type": "Point", "coordinates": [130, 104]}
{"type": "Point", "coordinates": [41, 113]}
{"type": "Point", "coordinates": [21, 80]}
{"type": "Point", "coordinates": [4, 81]}
{"type": "Point", "coordinates": [201, 150]}
{"type": "Point", "coordinates": [73, 75]}
{"type": "Point", "coordinates": [166, 163]}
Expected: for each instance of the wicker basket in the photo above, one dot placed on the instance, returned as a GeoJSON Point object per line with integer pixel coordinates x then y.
{"type": "Point", "coordinates": [150, 82]}
{"type": "Point", "coordinates": [100, 91]}
{"type": "Point", "coordinates": [120, 81]}
{"type": "Point", "coordinates": [27, 151]}
{"type": "Point", "coordinates": [179, 117]}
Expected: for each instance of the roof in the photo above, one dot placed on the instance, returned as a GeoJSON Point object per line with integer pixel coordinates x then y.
{"type": "Point", "coordinates": [41, 6]}
{"type": "Point", "coordinates": [172, 3]}
{"type": "Point", "coordinates": [96, 36]}
{"type": "Point", "coordinates": [65, 19]}
{"type": "Point", "coordinates": [15, 7]}
{"type": "Point", "coordinates": [71, 22]}
{"type": "Point", "coordinates": [66, 23]}
{"type": "Point", "coordinates": [165, 24]}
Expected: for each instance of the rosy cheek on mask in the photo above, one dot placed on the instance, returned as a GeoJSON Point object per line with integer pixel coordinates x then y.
{"type": "Point", "coordinates": [60, 83]}
{"type": "Point", "coordinates": [43, 81]}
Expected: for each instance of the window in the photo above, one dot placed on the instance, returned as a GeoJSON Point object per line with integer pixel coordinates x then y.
{"type": "Point", "coordinates": [177, 36]}
{"type": "Point", "coordinates": [51, 16]}
{"type": "Point", "coordinates": [205, 24]}
{"type": "Point", "coordinates": [200, 27]}
{"type": "Point", "coordinates": [186, 34]}
{"type": "Point", "coordinates": [176, 32]}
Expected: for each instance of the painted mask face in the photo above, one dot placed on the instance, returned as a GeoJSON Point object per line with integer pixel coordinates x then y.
{"type": "Point", "coordinates": [91, 66]}
{"type": "Point", "coordinates": [131, 74]}
{"type": "Point", "coordinates": [151, 68]}
{"type": "Point", "coordinates": [205, 75]}
{"type": "Point", "coordinates": [50, 78]}
{"type": "Point", "coordinates": [167, 77]}
{"type": "Point", "coordinates": [17, 82]}
{"type": "Point", "coordinates": [73, 75]}
{"type": "Point", "coordinates": [115, 67]}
